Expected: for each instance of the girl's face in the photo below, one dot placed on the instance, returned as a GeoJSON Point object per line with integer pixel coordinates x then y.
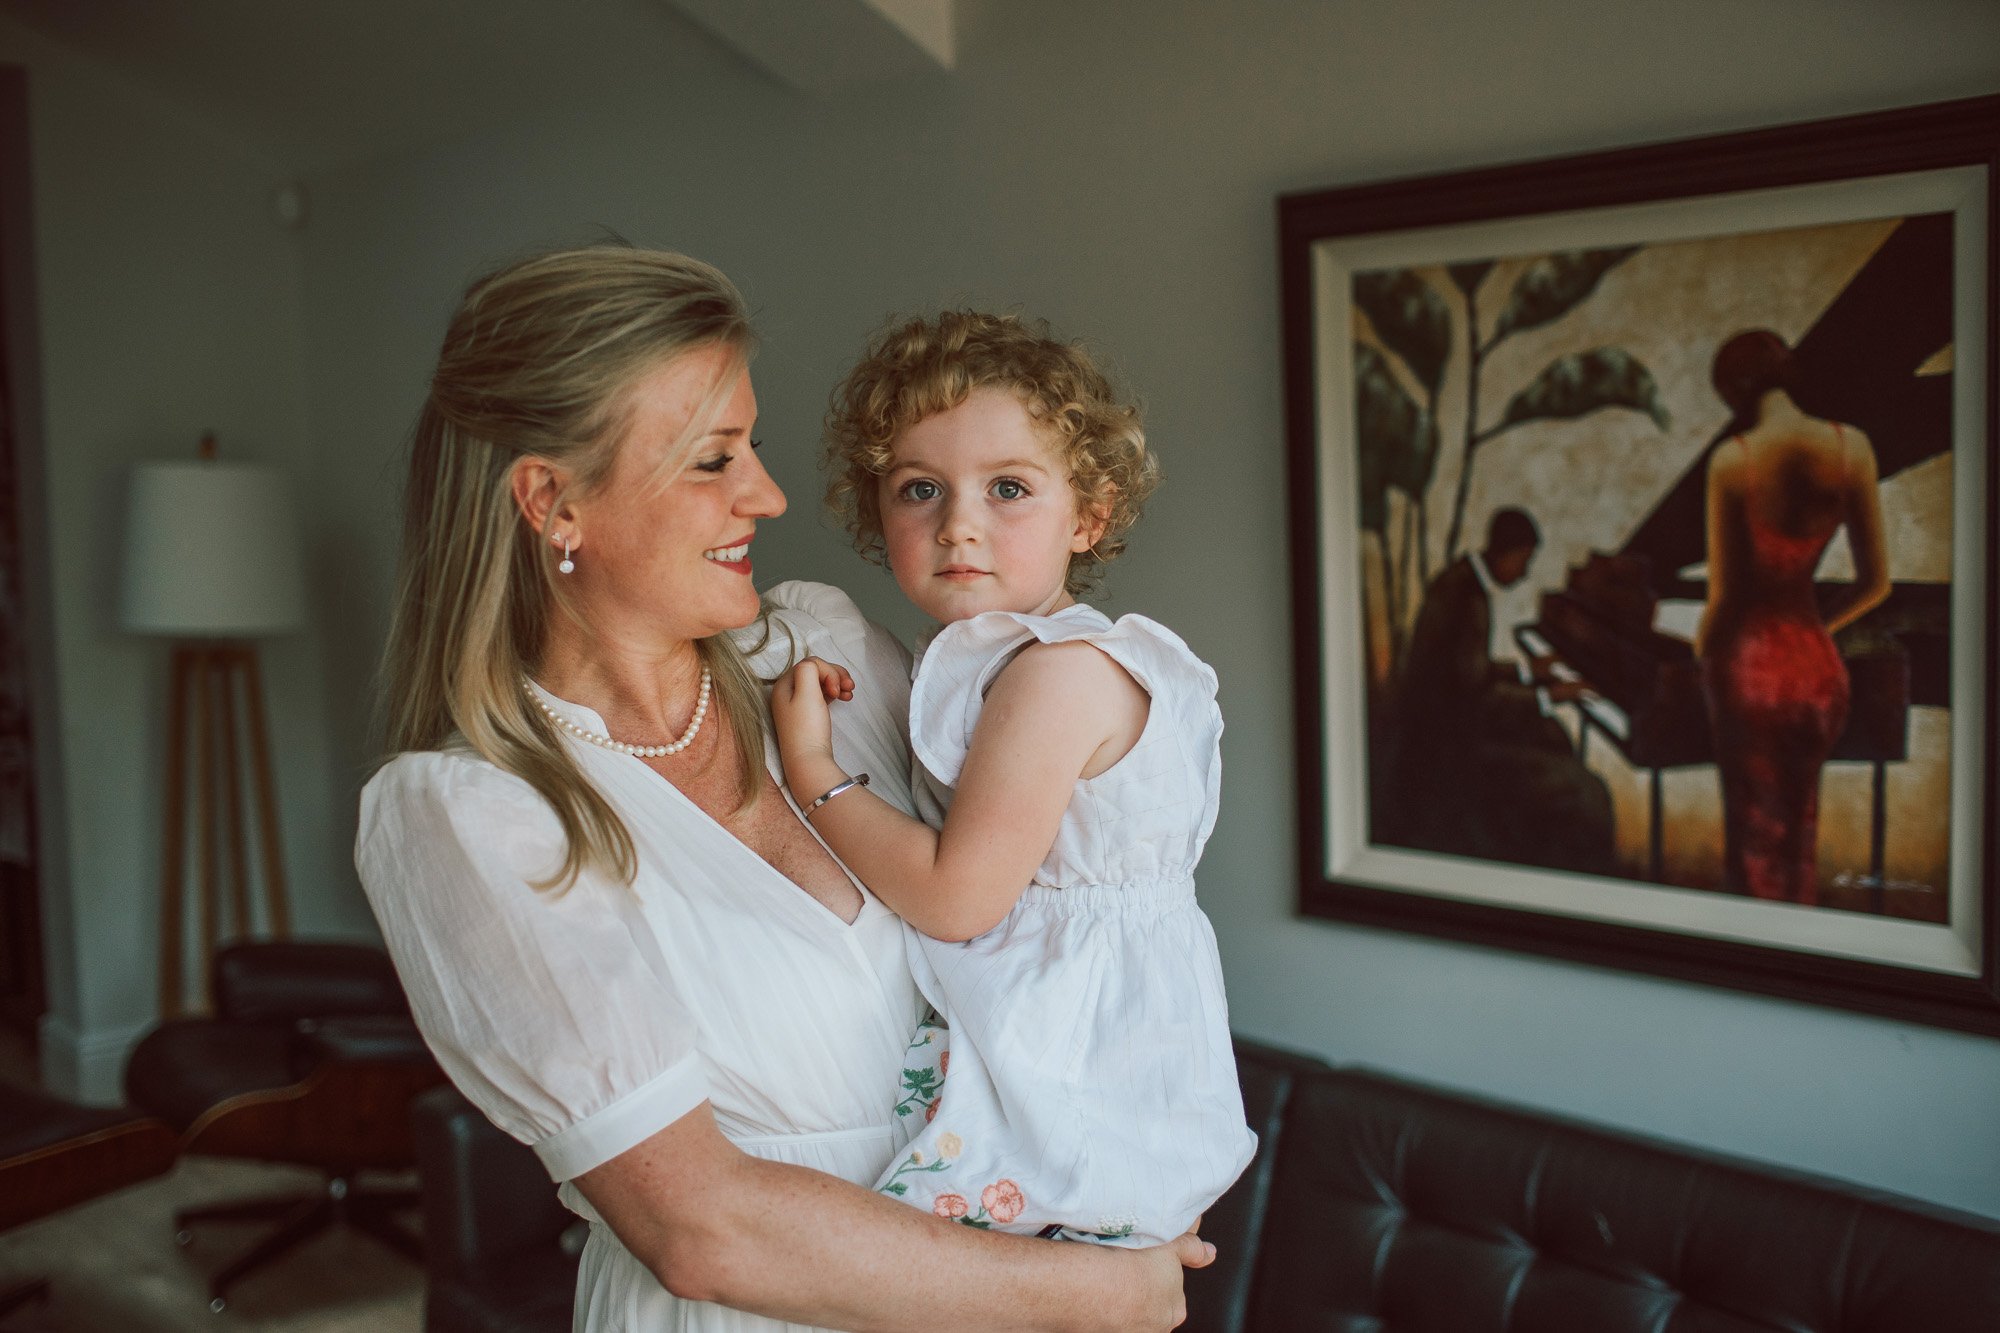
{"type": "Point", "coordinates": [978, 513]}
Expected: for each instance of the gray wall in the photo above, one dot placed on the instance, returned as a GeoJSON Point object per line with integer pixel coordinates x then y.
{"type": "Point", "coordinates": [169, 305]}
{"type": "Point", "coordinates": [1112, 167]}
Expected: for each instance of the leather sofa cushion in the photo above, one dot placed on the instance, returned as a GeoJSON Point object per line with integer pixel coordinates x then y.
{"type": "Point", "coordinates": [1218, 1296]}
{"type": "Point", "coordinates": [1396, 1209]}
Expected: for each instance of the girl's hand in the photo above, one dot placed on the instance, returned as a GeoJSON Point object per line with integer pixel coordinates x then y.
{"type": "Point", "coordinates": [799, 710]}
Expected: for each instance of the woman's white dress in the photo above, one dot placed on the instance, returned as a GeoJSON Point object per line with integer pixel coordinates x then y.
{"type": "Point", "coordinates": [584, 1022]}
{"type": "Point", "coordinates": [1091, 1085]}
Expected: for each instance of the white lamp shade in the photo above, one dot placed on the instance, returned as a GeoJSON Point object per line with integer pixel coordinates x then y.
{"type": "Point", "coordinates": [211, 550]}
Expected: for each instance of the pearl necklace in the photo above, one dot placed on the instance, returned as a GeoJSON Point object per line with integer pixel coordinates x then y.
{"type": "Point", "coordinates": [620, 747]}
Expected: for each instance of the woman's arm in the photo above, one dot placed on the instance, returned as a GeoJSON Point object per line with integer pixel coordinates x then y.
{"type": "Point", "coordinates": [1864, 540]}
{"type": "Point", "coordinates": [1057, 712]}
{"type": "Point", "coordinates": [509, 985]}
{"type": "Point", "coordinates": [713, 1223]}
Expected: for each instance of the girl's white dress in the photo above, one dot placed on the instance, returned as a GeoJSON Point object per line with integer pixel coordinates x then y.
{"type": "Point", "coordinates": [1086, 1077]}
{"type": "Point", "coordinates": [584, 1022]}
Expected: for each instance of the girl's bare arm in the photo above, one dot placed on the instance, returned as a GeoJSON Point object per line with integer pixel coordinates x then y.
{"type": "Point", "coordinates": [1055, 713]}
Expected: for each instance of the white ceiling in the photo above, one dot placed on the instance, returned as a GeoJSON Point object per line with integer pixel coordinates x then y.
{"type": "Point", "coordinates": [313, 85]}
{"type": "Point", "coordinates": [820, 45]}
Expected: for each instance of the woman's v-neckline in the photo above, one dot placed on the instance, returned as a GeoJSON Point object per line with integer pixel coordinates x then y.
{"type": "Point", "coordinates": [772, 767]}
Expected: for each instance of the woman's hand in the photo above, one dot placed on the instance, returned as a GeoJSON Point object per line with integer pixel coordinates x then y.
{"type": "Point", "coordinates": [800, 702]}
{"type": "Point", "coordinates": [1167, 1303]}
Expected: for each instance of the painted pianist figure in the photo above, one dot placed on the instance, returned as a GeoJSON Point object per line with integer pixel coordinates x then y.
{"type": "Point", "coordinates": [1479, 767]}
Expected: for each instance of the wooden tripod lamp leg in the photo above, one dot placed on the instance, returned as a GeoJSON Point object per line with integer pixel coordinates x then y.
{"type": "Point", "coordinates": [230, 665]}
{"type": "Point", "coordinates": [201, 708]}
{"type": "Point", "coordinates": [207, 677]}
{"type": "Point", "coordinates": [267, 799]}
{"type": "Point", "coordinates": [174, 831]}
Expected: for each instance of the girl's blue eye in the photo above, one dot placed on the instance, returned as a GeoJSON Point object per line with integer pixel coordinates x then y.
{"type": "Point", "coordinates": [921, 490]}
{"type": "Point", "coordinates": [1009, 489]}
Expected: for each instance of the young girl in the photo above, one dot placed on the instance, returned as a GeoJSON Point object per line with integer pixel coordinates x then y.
{"type": "Point", "coordinates": [1081, 1082]}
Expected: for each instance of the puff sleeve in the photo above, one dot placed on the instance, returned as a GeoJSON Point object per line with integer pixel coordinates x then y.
{"type": "Point", "coordinates": [553, 1011]}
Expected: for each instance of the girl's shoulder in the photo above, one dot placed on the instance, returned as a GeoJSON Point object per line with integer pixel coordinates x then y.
{"type": "Point", "coordinates": [982, 646]}
{"type": "Point", "coordinates": [961, 663]}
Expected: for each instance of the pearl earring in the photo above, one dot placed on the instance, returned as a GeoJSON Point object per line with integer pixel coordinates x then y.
{"type": "Point", "coordinates": [567, 565]}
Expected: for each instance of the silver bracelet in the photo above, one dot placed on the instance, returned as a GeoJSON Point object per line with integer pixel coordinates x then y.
{"type": "Point", "coordinates": [858, 780]}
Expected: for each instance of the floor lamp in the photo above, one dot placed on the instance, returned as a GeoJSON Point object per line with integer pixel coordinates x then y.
{"type": "Point", "coordinates": [212, 561]}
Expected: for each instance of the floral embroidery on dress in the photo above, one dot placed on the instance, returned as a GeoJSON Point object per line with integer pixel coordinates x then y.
{"type": "Point", "coordinates": [922, 1086]}
{"type": "Point", "coordinates": [920, 1091]}
{"type": "Point", "coordinates": [1001, 1202]}
{"type": "Point", "coordinates": [949, 1147]}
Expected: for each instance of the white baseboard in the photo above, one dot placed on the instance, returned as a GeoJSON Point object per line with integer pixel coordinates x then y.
{"type": "Point", "coordinates": [87, 1066]}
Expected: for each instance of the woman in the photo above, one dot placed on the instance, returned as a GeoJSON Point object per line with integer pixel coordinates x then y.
{"type": "Point", "coordinates": [614, 928]}
{"type": "Point", "coordinates": [1778, 489]}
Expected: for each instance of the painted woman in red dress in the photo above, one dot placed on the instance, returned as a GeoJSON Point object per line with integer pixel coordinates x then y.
{"type": "Point", "coordinates": [1778, 490]}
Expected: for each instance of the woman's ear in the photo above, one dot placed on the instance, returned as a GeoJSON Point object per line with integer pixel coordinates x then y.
{"type": "Point", "coordinates": [537, 489]}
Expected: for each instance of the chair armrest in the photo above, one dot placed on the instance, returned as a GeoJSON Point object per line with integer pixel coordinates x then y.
{"type": "Point", "coordinates": [375, 1039]}
{"type": "Point", "coordinates": [264, 980]}
{"type": "Point", "coordinates": [55, 1153]}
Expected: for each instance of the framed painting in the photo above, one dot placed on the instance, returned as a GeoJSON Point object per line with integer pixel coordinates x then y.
{"type": "Point", "coordinates": [1643, 537]}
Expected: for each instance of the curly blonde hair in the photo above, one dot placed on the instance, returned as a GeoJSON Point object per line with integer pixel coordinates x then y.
{"type": "Point", "coordinates": [921, 367]}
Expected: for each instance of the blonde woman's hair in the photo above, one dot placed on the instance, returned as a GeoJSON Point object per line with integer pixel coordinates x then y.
{"type": "Point", "coordinates": [921, 367]}
{"type": "Point", "coordinates": [538, 361]}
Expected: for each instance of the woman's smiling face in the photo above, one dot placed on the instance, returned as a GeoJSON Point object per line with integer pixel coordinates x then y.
{"type": "Point", "coordinates": [677, 556]}
{"type": "Point", "coordinates": [978, 513]}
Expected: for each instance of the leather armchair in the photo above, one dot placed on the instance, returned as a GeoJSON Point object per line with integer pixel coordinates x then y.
{"type": "Point", "coordinates": [310, 1058]}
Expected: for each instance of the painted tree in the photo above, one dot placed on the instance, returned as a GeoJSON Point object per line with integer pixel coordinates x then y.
{"type": "Point", "coordinates": [1398, 435]}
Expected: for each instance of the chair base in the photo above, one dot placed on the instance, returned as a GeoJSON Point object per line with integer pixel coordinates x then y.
{"type": "Point", "coordinates": [299, 1218]}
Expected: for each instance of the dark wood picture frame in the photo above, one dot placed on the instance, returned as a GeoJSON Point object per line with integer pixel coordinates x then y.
{"type": "Point", "coordinates": [1937, 137]}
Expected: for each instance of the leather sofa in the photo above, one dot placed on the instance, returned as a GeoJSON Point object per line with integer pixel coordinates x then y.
{"type": "Point", "coordinates": [1379, 1206]}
